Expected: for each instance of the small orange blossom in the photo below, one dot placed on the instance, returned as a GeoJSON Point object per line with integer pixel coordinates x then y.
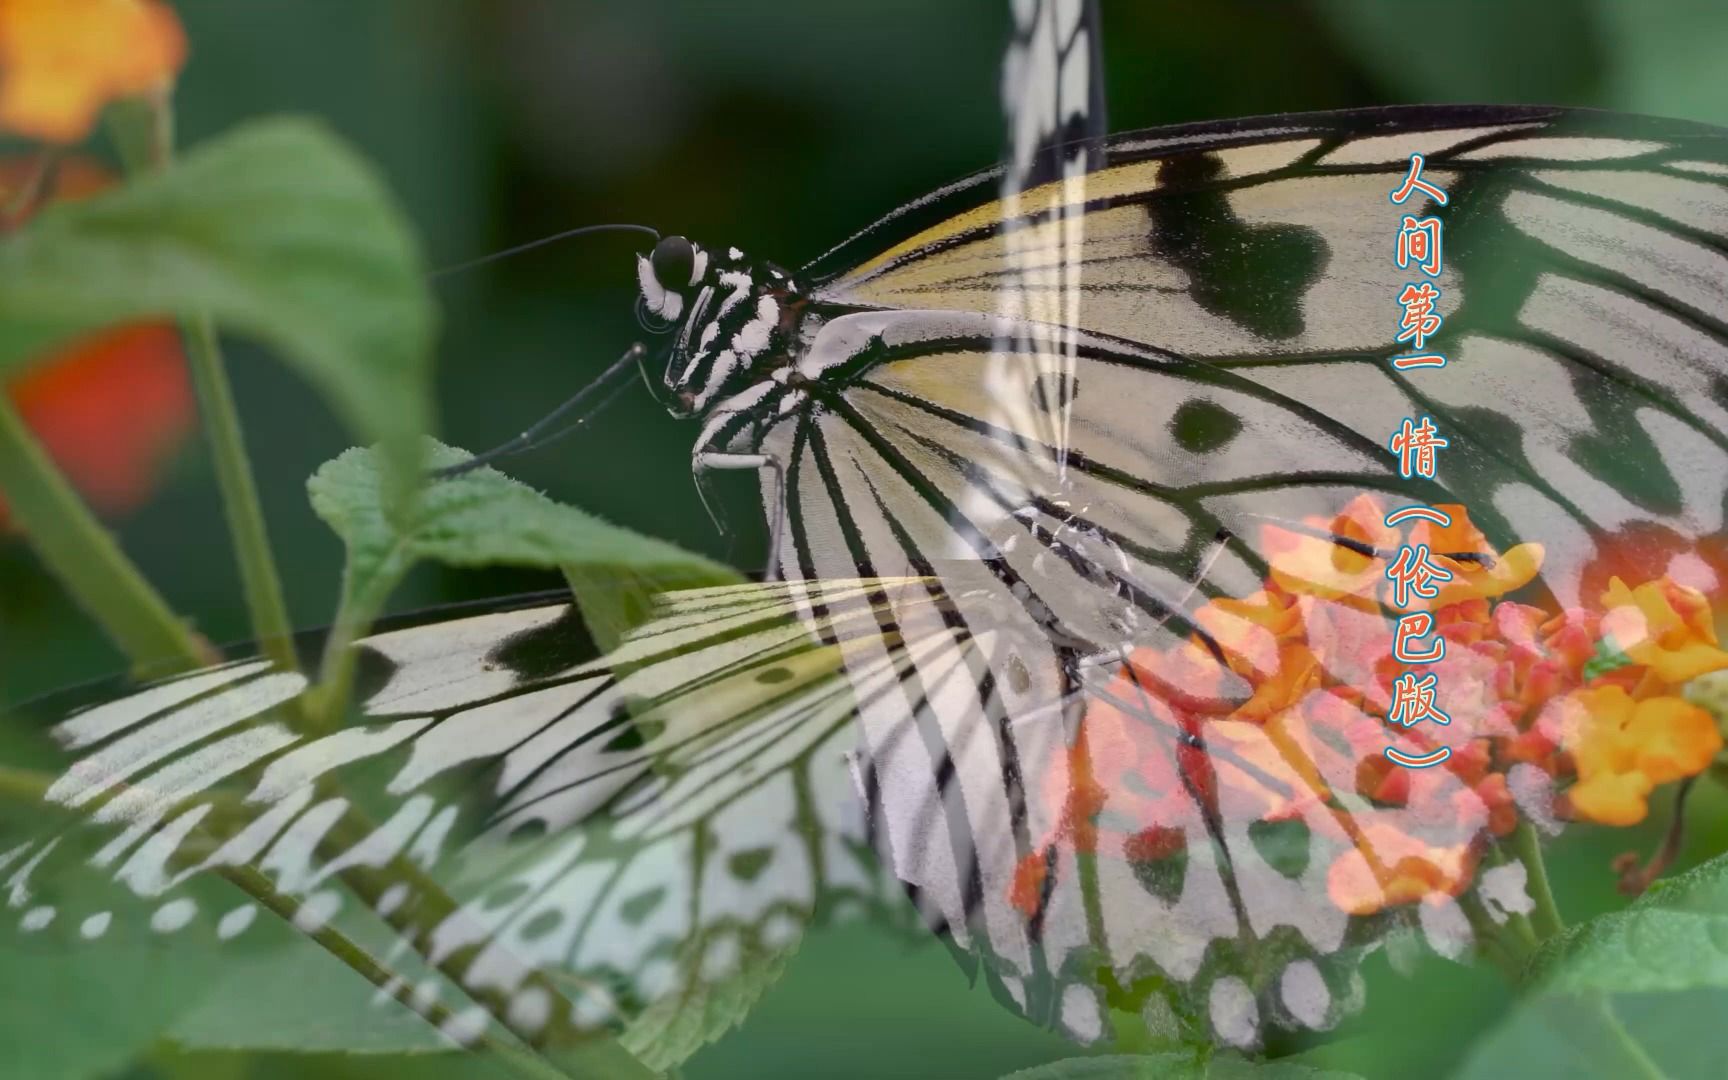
{"type": "Point", "coordinates": [62, 61]}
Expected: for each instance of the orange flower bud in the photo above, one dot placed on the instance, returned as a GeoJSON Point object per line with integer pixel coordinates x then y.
{"type": "Point", "coordinates": [1663, 626]}
{"type": "Point", "coordinates": [1623, 748]}
{"type": "Point", "coordinates": [110, 408]}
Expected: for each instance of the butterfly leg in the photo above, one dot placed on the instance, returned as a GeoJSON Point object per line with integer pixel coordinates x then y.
{"type": "Point", "coordinates": [774, 495]}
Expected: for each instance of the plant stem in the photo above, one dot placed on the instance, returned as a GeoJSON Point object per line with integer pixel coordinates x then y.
{"type": "Point", "coordinates": [88, 561]}
{"type": "Point", "coordinates": [360, 603]}
{"type": "Point", "coordinates": [147, 142]}
{"type": "Point", "coordinates": [1528, 847]}
{"type": "Point", "coordinates": [1638, 1062]}
{"type": "Point", "coordinates": [20, 203]}
{"type": "Point", "coordinates": [1520, 927]}
{"type": "Point", "coordinates": [1503, 952]}
{"type": "Point", "coordinates": [263, 585]}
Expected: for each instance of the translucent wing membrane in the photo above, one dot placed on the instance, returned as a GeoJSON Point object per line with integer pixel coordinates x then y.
{"type": "Point", "coordinates": [567, 844]}
{"type": "Point", "coordinates": [1053, 98]}
{"type": "Point", "coordinates": [1185, 495]}
{"type": "Point", "coordinates": [1096, 661]}
{"type": "Point", "coordinates": [1581, 291]}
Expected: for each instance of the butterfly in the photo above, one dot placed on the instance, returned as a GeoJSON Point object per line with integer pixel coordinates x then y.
{"type": "Point", "coordinates": [1027, 446]}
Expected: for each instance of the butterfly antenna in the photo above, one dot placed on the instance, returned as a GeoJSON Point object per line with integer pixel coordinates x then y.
{"type": "Point", "coordinates": [542, 242]}
{"type": "Point", "coordinates": [543, 432]}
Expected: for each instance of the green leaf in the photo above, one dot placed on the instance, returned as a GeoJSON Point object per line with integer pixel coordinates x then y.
{"type": "Point", "coordinates": [1674, 937]}
{"type": "Point", "coordinates": [86, 994]}
{"type": "Point", "coordinates": [616, 599]}
{"type": "Point", "coordinates": [1668, 1036]}
{"type": "Point", "coordinates": [300, 998]}
{"type": "Point", "coordinates": [600, 1058]}
{"type": "Point", "coordinates": [1175, 1066]}
{"type": "Point", "coordinates": [74, 1013]}
{"type": "Point", "coordinates": [1628, 993]}
{"type": "Point", "coordinates": [297, 1000]}
{"type": "Point", "coordinates": [677, 1025]}
{"type": "Point", "coordinates": [278, 231]}
{"type": "Point", "coordinates": [484, 518]}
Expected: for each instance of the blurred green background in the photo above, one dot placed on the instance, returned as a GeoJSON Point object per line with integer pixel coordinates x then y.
{"type": "Point", "coordinates": [780, 128]}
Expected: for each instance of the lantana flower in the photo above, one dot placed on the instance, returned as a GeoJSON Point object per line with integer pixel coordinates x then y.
{"type": "Point", "coordinates": [63, 61]}
{"type": "Point", "coordinates": [1664, 626]}
{"type": "Point", "coordinates": [1623, 748]}
{"type": "Point", "coordinates": [1275, 710]}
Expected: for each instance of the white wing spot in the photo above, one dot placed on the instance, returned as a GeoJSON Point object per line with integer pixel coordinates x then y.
{"type": "Point", "coordinates": [96, 925]}
{"type": "Point", "coordinates": [36, 919]}
{"type": "Point", "coordinates": [174, 915]}
{"type": "Point", "coordinates": [1235, 1015]}
{"type": "Point", "coordinates": [657, 977]}
{"type": "Point", "coordinates": [779, 929]}
{"type": "Point", "coordinates": [393, 898]}
{"type": "Point", "coordinates": [592, 1009]}
{"type": "Point", "coordinates": [466, 1026]}
{"type": "Point", "coordinates": [425, 994]}
{"type": "Point", "coordinates": [721, 958]}
{"type": "Point", "coordinates": [530, 1009]}
{"type": "Point", "coordinates": [1080, 1013]}
{"type": "Point", "coordinates": [1505, 889]}
{"type": "Point", "coordinates": [317, 911]}
{"type": "Point", "coordinates": [235, 922]}
{"type": "Point", "coordinates": [388, 991]}
{"type": "Point", "coordinates": [1305, 994]}
{"type": "Point", "coordinates": [1446, 928]}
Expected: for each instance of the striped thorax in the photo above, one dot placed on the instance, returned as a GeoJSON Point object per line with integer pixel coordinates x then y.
{"type": "Point", "coordinates": [735, 319]}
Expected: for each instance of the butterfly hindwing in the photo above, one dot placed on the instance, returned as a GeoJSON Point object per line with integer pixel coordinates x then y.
{"type": "Point", "coordinates": [569, 845]}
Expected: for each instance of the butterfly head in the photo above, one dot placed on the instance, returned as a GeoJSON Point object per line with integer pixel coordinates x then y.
{"type": "Point", "coordinates": [731, 319]}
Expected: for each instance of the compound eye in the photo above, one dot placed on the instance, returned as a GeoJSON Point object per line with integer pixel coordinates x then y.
{"type": "Point", "coordinates": [674, 263]}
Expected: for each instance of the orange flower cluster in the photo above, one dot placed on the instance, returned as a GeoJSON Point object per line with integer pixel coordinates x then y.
{"type": "Point", "coordinates": [1274, 711]}
{"type": "Point", "coordinates": [63, 61]}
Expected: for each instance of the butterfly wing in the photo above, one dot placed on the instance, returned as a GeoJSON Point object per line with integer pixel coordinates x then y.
{"type": "Point", "coordinates": [568, 845]}
{"type": "Point", "coordinates": [972, 771]}
{"type": "Point", "coordinates": [1053, 99]}
{"type": "Point", "coordinates": [1227, 370]}
{"type": "Point", "coordinates": [1585, 318]}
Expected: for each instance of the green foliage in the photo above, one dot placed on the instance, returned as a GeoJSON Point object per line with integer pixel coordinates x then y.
{"type": "Point", "coordinates": [300, 998]}
{"type": "Point", "coordinates": [75, 1005]}
{"type": "Point", "coordinates": [1627, 993]}
{"type": "Point", "coordinates": [82, 1011]}
{"type": "Point", "coordinates": [679, 1024]}
{"type": "Point", "coordinates": [599, 1059]}
{"type": "Point", "coordinates": [1675, 937]}
{"type": "Point", "coordinates": [1175, 1066]}
{"type": "Point", "coordinates": [278, 231]}
{"type": "Point", "coordinates": [484, 518]}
